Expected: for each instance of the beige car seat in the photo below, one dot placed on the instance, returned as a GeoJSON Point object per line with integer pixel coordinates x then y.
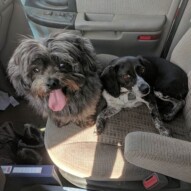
{"type": "Point", "coordinates": [111, 161]}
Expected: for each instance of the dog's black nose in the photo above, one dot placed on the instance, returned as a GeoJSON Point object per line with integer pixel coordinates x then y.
{"type": "Point", "coordinates": [53, 83]}
{"type": "Point", "coordinates": [144, 88]}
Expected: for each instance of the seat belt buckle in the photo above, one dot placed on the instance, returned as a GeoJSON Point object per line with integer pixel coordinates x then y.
{"type": "Point", "coordinates": [155, 181]}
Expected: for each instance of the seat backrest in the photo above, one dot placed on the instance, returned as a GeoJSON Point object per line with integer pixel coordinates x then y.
{"type": "Point", "coordinates": [181, 55]}
{"type": "Point", "coordinates": [187, 108]}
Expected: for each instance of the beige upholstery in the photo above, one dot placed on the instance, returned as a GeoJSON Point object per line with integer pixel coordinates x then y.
{"type": "Point", "coordinates": [169, 156]}
{"type": "Point", "coordinates": [181, 53]}
{"type": "Point", "coordinates": [165, 155]}
{"type": "Point", "coordinates": [187, 108]}
{"type": "Point", "coordinates": [184, 25]}
{"type": "Point", "coordinates": [82, 153]}
{"type": "Point", "coordinates": [137, 7]}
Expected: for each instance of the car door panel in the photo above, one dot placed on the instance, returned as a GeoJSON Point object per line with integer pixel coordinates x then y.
{"type": "Point", "coordinates": [114, 26]}
{"type": "Point", "coordinates": [119, 27]}
{"type": "Point", "coordinates": [140, 7]}
{"type": "Point", "coordinates": [51, 18]}
{"type": "Point", "coordinates": [121, 23]}
{"type": "Point", "coordinates": [57, 5]}
{"type": "Point", "coordinates": [51, 13]}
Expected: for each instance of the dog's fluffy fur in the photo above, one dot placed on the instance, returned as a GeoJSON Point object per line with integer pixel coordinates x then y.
{"type": "Point", "coordinates": [129, 81]}
{"type": "Point", "coordinates": [66, 60]}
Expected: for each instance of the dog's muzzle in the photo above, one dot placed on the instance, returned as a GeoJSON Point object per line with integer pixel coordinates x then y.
{"type": "Point", "coordinates": [143, 86]}
{"type": "Point", "coordinates": [144, 89]}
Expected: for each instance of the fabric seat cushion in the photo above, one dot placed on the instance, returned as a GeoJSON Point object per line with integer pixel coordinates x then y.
{"type": "Point", "coordinates": [165, 155]}
{"type": "Point", "coordinates": [81, 152]}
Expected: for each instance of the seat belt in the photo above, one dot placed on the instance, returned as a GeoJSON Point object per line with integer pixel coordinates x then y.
{"type": "Point", "coordinates": [175, 23]}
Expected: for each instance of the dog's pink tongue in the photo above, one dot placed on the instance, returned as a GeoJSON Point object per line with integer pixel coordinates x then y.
{"type": "Point", "coordinates": [57, 100]}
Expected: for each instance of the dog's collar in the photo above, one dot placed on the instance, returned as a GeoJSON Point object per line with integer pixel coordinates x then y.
{"type": "Point", "coordinates": [131, 96]}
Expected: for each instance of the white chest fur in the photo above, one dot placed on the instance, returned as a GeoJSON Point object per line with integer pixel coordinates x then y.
{"type": "Point", "coordinates": [123, 100]}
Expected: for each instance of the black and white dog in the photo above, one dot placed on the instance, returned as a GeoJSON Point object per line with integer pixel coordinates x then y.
{"type": "Point", "coordinates": [129, 81]}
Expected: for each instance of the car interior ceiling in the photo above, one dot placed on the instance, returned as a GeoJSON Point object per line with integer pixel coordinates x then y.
{"type": "Point", "coordinates": [122, 158]}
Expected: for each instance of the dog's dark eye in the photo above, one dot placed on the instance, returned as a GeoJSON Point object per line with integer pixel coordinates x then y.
{"type": "Point", "coordinates": [140, 70]}
{"type": "Point", "coordinates": [36, 70]}
{"type": "Point", "coordinates": [61, 65]}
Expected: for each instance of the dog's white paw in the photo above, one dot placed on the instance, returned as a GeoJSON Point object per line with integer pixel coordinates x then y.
{"type": "Point", "coordinates": [167, 117]}
{"type": "Point", "coordinates": [160, 95]}
{"type": "Point", "coordinates": [165, 133]}
{"type": "Point", "coordinates": [100, 126]}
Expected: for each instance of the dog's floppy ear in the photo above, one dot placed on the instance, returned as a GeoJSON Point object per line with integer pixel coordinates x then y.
{"type": "Point", "coordinates": [109, 80]}
{"type": "Point", "coordinates": [17, 66]}
{"type": "Point", "coordinates": [88, 55]}
{"type": "Point", "coordinates": [150, 71]}
{"type": "Point", "coordinates": [14, 73]}
{"type": "Point", "coordinates": [142, 60]}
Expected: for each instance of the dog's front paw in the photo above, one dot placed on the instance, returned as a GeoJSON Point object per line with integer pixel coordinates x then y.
{"type": "Point", "coordinates": [167, 117]}
{"type": "Point", "coordinates": [171, 115]}
{"type": "Point", "coordinates": [100, 126]}
{"type": "Point", "coordinates": [84, 124]}
{"type": "Point", "coordinates": [165, 133]}
{"type": "Point", "coordinates": [90, 123]}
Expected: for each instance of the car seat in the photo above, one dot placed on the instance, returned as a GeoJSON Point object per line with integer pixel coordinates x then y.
{"type": "Point", "coordinates": [130, 148]}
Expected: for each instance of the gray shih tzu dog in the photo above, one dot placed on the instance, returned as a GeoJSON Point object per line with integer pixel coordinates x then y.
{"type": "Point", "coordinates": [58, 76]}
